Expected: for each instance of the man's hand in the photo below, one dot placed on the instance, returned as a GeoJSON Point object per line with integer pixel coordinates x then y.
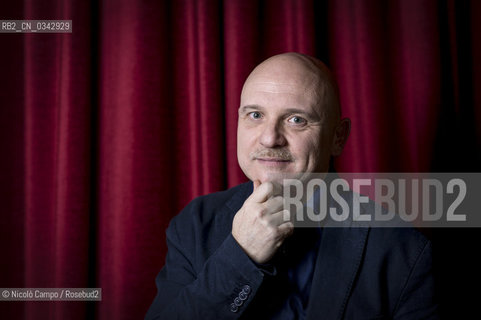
{"type": "Point", "coordinates": [259, 226]}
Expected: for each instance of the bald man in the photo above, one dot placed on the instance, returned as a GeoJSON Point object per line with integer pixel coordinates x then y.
{"type": "Point", "coordinates": [233, 254]}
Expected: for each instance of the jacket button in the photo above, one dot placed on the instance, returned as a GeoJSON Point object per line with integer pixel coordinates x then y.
{"type": "Point", "coordinates": [233, 308]}
{"type": "Point", "coordinates": [242, 295]}
{"type": "Point", "coordinates": [238, 302]}
{"type": "Point", "coordinates": [246, 289]}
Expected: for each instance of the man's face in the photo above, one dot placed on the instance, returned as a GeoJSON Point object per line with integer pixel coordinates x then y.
{"type": "Point", "coordinates": [283, 124]}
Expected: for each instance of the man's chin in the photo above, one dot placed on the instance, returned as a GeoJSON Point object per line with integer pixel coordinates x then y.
{"type": "Point", "coordinates": [276, 176]}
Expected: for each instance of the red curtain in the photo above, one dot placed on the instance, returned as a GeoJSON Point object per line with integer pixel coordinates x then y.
{"type": "Point", "coordinates": [107, 132]}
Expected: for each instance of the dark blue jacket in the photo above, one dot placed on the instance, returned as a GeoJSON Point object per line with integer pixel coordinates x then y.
{"type": "Point", "coordinates": [361, 272]}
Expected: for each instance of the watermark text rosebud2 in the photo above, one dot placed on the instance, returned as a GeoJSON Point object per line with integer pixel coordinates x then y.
{"type": "Point", "coordinates": [383, 199]}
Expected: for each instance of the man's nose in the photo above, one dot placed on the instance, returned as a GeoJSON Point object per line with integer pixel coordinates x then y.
{"type": "Point", "coordinates": [272, 136]}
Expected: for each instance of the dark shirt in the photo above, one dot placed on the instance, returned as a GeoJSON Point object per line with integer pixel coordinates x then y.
{"type": "Point", "coordinates": [292, 270]}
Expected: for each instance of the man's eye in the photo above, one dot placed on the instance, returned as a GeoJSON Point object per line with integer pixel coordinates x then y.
{"type": "Point", "coordinates": [297, 120]}
{"type": "Point", "coordinates": [255, 115]}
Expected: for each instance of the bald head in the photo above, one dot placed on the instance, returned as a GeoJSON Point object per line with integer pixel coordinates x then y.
{"type": "Point", "coordinates": [302, 71]}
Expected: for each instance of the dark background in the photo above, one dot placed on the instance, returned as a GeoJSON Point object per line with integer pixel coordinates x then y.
{"type": "Point", "coordinates": [107, 132]}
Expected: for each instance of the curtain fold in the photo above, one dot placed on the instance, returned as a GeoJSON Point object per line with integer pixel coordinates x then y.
{"type": "Point", "coordinates": [107, 132]}
{"type": "Point", "coordinates": [136, 153]}
{"type": "Point", "coordinates": [56, 113]}
{"type": "Point", "coordinates": [387, 59]}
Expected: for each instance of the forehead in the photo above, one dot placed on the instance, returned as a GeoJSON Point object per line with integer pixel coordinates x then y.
{"type": "Point", "coordinates": [283, 90]}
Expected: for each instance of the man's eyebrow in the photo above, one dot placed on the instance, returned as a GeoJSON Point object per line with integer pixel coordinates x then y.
{"type": "Point", "coordinates": [250, 107]}
{"type": "Point", "coordinates": [296, 110]}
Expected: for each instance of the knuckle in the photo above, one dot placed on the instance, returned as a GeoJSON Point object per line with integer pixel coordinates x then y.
{"type": "Point", "coordinates": [267, 224]}
{"type": "Point", "coordinates": [271, 231]}
{"type": "Point", "coordinates": [279, 199]}
{"type": "Point", "coordinates": [269, 187]}
{"type": "Point", "coordinates": [261, 212]}
{"type": "Point", "coordinates": [290, 228]}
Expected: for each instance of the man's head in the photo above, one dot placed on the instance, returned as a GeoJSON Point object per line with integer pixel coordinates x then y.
{"type": "Point", "coordinates": [289, 118]}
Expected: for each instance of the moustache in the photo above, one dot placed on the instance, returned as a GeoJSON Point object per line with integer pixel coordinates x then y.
{"type": "Point", "coordinates": [281, 154]}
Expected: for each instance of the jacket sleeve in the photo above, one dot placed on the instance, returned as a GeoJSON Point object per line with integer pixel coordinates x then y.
{"type": "Point", "coordinates": [220, 287]}
{"type": "Point", "coordinates": [417, 300]}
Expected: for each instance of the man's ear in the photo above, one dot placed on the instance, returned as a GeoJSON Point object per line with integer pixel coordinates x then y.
{"type": "Point", "coordinates": [340, 136]}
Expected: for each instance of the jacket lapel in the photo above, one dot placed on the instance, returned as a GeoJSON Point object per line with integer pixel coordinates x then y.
{"type": "Point", "coordinates": [340, 254]}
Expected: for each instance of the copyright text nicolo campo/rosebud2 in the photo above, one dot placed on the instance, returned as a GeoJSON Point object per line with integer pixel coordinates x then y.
{"type": "Point", "coordinates": [50, 294]}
